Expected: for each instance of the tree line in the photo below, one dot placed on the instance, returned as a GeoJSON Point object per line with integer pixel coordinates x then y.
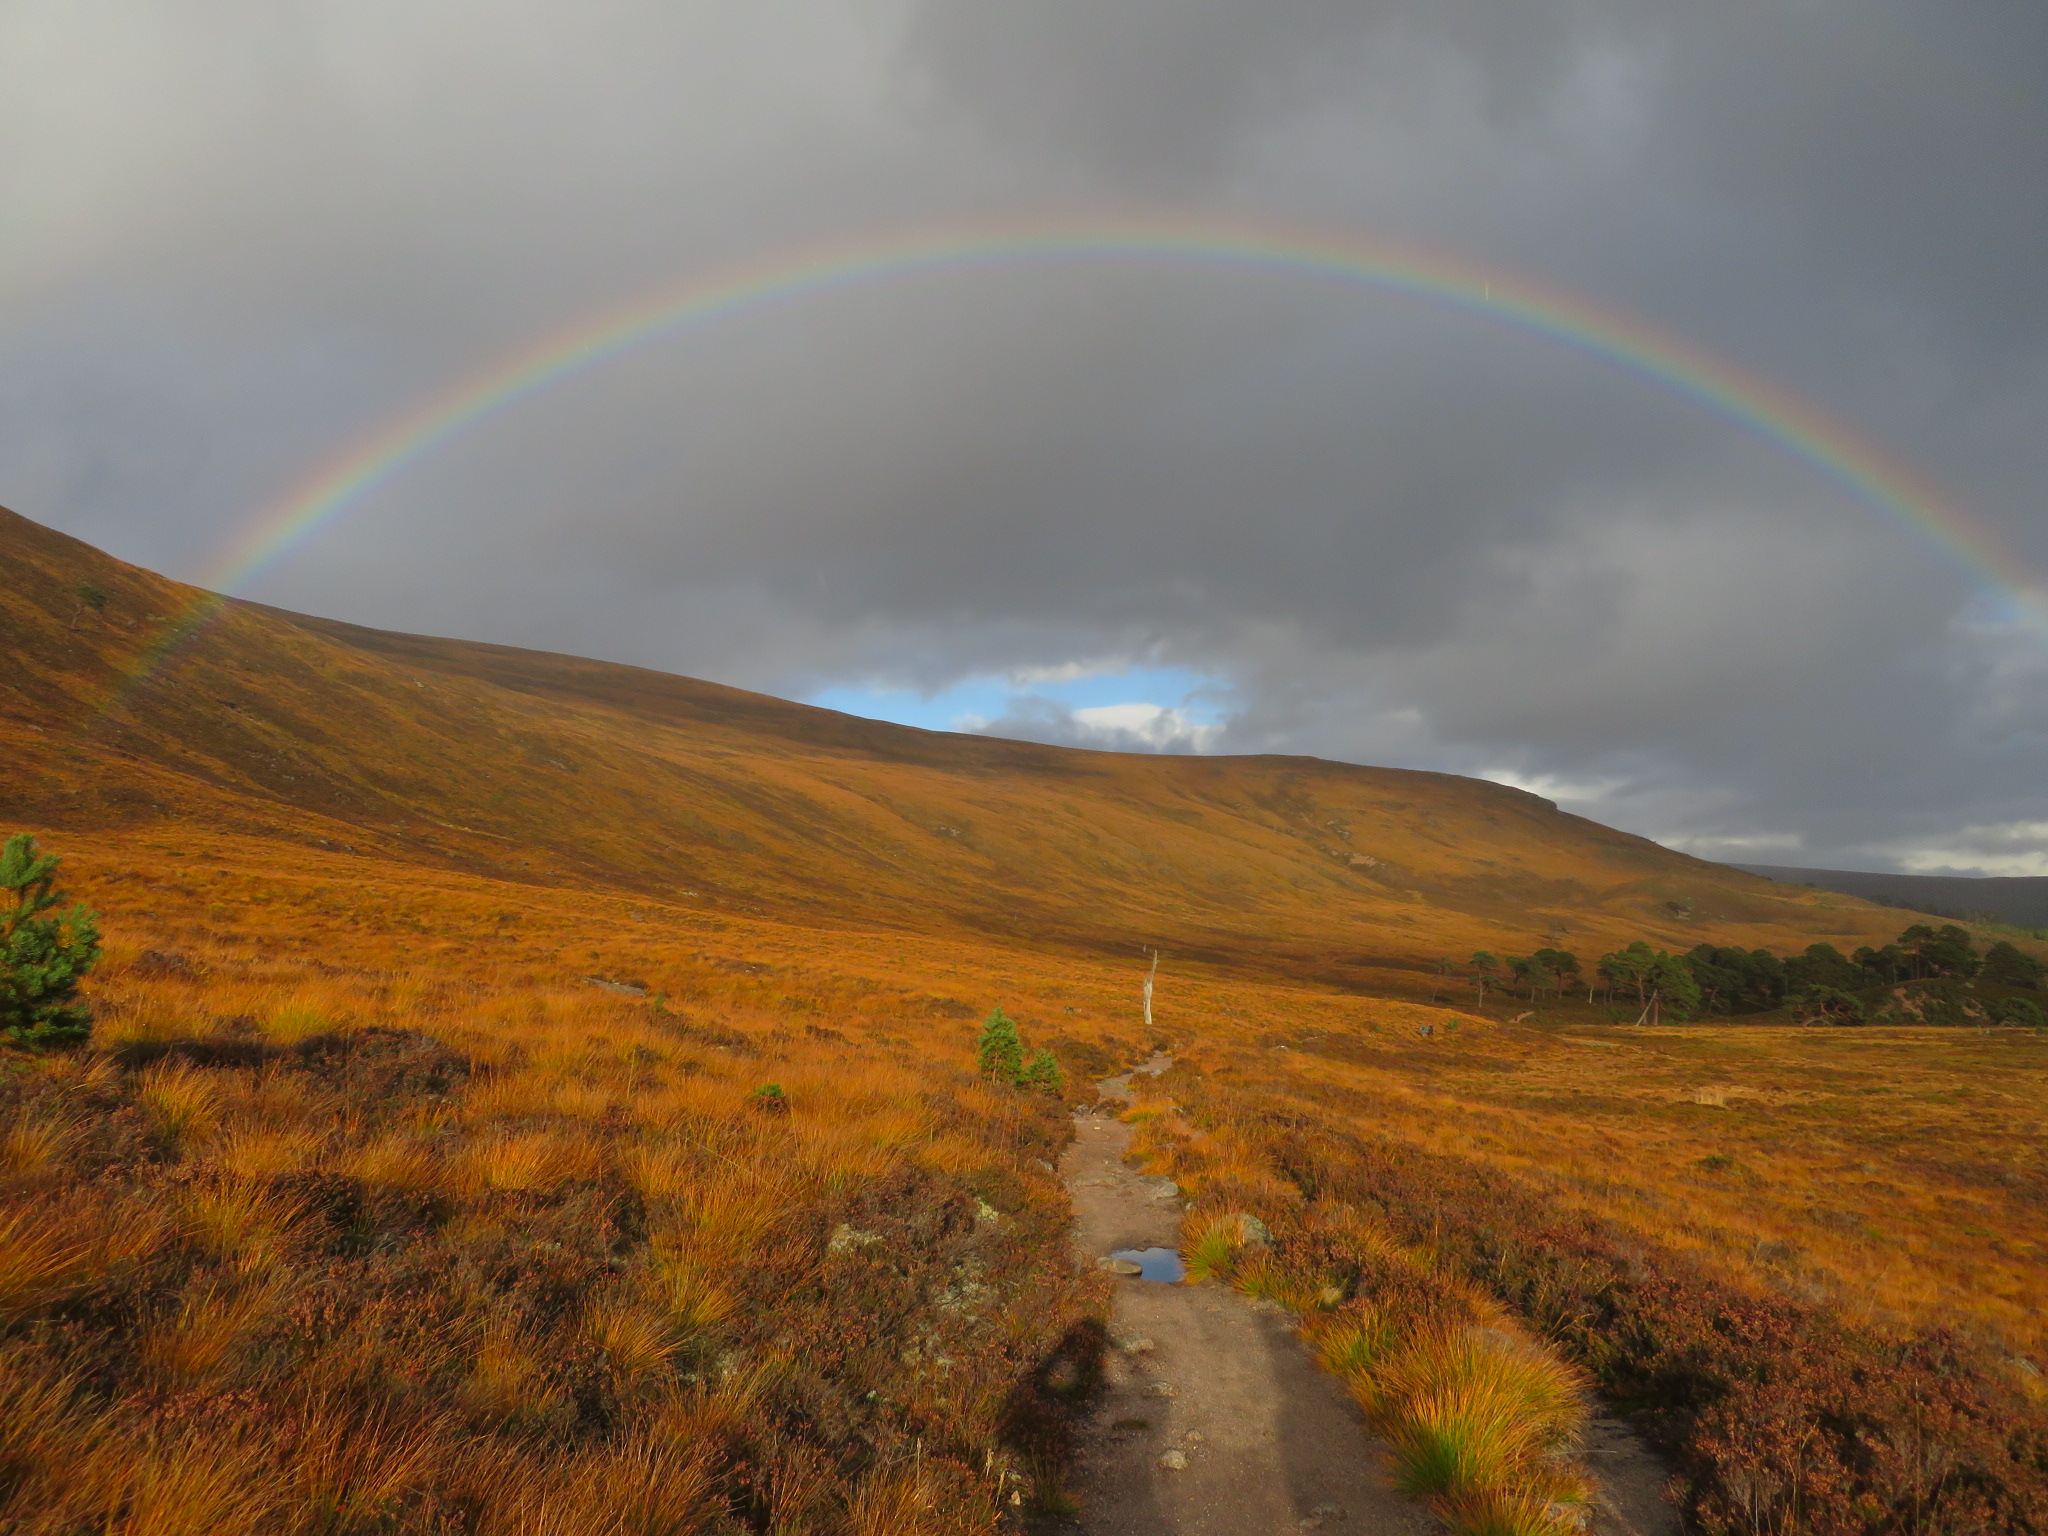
{"type": "Point", "coordinates": [1821, 983]}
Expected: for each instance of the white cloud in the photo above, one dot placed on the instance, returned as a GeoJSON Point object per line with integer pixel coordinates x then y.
{"type": "Point", "coordinates": [2009, 848]}
{"type": "Point", "coordinates": [1744, 848]}
{"type": "Point", "coordinates": [1561, 788]}
{"type": "Point", "coordinates": [1158, 727]}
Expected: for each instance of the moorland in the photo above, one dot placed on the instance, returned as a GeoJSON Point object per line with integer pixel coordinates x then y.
{"type": "Point", "coordinates": [535, 1094]}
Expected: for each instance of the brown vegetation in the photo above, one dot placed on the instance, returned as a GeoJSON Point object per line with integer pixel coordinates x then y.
{"type": "Point", "coordinates": [418, 1178]}
{"type": "Point", "coordinates": [1782, 1412]}
{"type": "Point", "coordinates": [481, 1254]}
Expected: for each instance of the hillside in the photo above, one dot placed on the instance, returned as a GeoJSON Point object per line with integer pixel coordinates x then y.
{"type": "Point", "coordinates": [530, 1094]}
{"type": "Point", "coordinates": [2021, 900]}
{"type": "Point", "coordinates": [555, 771]}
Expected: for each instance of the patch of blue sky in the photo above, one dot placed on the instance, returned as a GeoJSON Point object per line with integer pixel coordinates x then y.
{"type": "Point", "coordinates": [975, 701]}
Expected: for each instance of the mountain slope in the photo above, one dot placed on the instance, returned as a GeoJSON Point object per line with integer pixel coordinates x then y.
{"type": "Point", "coordinates": [2017, 899]}
{"type": "Point", "coordinates": [560, 771]}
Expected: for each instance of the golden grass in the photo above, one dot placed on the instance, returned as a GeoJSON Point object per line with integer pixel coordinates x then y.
{"type": "Point", "coordinates": [1894, 1173]}
{"type": "Point", "coordinates": [1474, 1412]}
{"type": "Point", "coordinates": [43, 1254]}
{"type": "Point", "coordinates": [375, 998]}
{"type": "Point", "coordinates": [555, 1131]}
{"type": "Point", "coordinates": [636, 1339]}
{"type": "Point", "coordinates": [31, 1144]}
{"type": "Point", "coordinates": [184, 1103]}
{"type": "Point", "coordinates": [199, 1341]}
{"type": "Point", "coordinates": [575, 1093]}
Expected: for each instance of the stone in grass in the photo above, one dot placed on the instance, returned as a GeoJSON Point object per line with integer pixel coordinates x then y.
{"type": "Point", "coordinates": [1136, 1346]}
{"type": "Point", "coordinates": [1120, 1266]}
{"type": "Point", "coordinates": [1174, 1461]}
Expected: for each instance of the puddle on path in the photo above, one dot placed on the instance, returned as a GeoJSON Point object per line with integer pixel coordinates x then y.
{"type": "Point", "coordinates": [1154, 1263]}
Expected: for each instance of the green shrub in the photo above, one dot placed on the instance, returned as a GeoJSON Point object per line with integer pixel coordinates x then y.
{"type": "Point", "coordinates": [43, 955]}
{"type": "Point", "coordinates": [1042, 1071]}
{"type": "Point", "coordinates": [1001, 1052]}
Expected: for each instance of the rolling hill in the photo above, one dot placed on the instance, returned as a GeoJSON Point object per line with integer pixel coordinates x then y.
{"type": "Point", "coordinates": [555, 771]}
{"type": "Point", "coordinates": [2021, 900]}
{"type": "Point", "coordinates": [537, 1094]}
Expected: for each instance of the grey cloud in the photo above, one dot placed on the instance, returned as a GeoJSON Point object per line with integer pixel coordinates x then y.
{"type": "Point", "coordinates": [1392, 533]}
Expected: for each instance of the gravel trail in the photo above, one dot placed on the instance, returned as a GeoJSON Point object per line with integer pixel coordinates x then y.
{"type": "Point", "coordinates": [1213, 1419]}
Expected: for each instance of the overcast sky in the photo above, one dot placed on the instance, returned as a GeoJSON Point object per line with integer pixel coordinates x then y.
{"type": "Point", "coordinates": [1157, 507]}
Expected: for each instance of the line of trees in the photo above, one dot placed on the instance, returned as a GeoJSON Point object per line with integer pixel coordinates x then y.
{"type": "Point", "coordinates": [1821, 982]}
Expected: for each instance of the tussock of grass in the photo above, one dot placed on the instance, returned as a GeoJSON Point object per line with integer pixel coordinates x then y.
{"type": "Point", "coordinates": [182, 1100]}
{"type": "Point", "coordinates": [30, 1145]}
{"type": "Point", "coordinates": [43, 1254]}
{"type": "Point", "coordinates": [1354, 1344]}
{"type": "Point", "coordinates": [197, 1343]}
{"type": "Point", "coordinates": [241, 1222]}
{"type": "Point", "coordinates": [1209, 1248]}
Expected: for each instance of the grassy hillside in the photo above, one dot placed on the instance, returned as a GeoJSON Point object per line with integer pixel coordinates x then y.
{"type": "Point", "coordinates": [555, 771]}
{"type": "Point", "coordinates": [419, 1178]}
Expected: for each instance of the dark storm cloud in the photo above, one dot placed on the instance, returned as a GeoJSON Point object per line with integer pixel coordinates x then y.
{"type": "Point", "coordinates": [1392, 534]}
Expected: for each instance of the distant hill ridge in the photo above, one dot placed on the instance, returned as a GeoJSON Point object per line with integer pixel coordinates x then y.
{"type": "Point", "coordinates": [2018, 899]}
{"type": "Point", "coordinates": [555, 770]}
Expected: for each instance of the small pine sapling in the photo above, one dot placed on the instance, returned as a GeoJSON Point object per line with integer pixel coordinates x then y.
{"type": "Point", "coordinates": [1043, 1071]}
{"type": "Point", "coordinates": [1001, 1053]}
{"type": "Point", "coordinates": [43, 955]}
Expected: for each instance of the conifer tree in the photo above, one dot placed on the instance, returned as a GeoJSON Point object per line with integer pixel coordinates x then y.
{"type": "Point", "coordinates": [1002, 1053]}
{"type": "Point", "coordinates": [2006, 966]}
{"type": "Point", "coordinates": [43, 955]}
{"type": "Point", "coordinates": [1042, 1071]}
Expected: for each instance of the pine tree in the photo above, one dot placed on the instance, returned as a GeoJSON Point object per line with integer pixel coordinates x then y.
{"type": "Point", "coordinates": [2006, 966]}
{"type": "Point", "coordinates": [1002, 1053]}
{"type": "Point", "coordinates": [1042, 1071]}
{"type": "Point", "coordinates": [43, 956]}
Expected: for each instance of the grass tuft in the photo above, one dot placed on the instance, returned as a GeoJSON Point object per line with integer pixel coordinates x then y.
{"type": "Point", "coordinates": [182, 1100]}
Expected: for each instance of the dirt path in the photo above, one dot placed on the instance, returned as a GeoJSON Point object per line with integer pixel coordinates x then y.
{"type": "Point", "coordinates": [1214, 1421]}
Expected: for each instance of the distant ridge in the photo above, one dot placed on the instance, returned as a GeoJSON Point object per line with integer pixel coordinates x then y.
{"type": "Point", "coordinates": [2018, 899]}
{"type": "Point", "coordinates": [436, 755]}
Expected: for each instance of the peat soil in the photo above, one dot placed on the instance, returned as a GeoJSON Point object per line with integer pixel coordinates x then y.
{"type": "Point", "coordinates": [1214, 1420]}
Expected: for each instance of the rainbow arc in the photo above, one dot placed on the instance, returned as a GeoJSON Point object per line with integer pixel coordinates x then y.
{"type": "Point", "coordinates": [1794, 426]}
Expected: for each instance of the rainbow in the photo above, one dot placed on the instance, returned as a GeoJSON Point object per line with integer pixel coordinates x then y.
{"type": "Point", "coordinates": [1794, 426]}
